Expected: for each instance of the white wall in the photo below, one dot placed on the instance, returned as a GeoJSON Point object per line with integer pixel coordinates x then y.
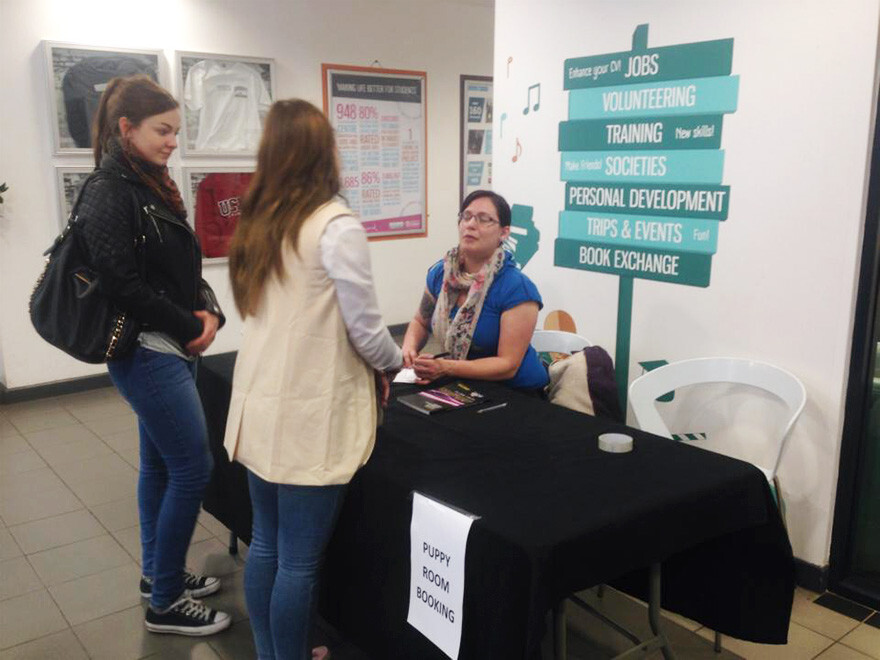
{"type": "Point", "coordinates": [784, 276]}
{"type": "Point", "coordinates": [443, 38]}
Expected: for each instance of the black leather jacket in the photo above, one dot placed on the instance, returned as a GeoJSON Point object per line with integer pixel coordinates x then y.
{"type": "Point", "coordinates": [125, 229]}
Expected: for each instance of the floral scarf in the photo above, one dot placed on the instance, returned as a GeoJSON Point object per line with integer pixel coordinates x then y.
{"type": "Point", "coordinates": [457, 334]}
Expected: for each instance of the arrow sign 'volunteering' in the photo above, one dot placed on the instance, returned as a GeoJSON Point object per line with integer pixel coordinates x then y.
{"type": "Point", "coordinates": [642, 161]}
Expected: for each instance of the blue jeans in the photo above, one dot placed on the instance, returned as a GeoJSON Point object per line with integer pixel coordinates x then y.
{"type": "Point", "coordinates": [175, 461]}
{"type": "Point", "coordinates": [292, 525]}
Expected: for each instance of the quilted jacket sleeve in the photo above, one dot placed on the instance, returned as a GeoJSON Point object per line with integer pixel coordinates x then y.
{"type": "Point", "coordinates": [106, 231]}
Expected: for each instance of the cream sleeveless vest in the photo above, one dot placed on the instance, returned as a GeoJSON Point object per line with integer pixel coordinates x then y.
{"type": "Point", "coordinates": [303, 408]}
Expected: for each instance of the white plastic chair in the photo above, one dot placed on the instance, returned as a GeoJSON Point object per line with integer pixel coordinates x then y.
{"type": "Point", "coordinates": [558, 341]}
{"type": "Point", "coordinates": [644, 391]}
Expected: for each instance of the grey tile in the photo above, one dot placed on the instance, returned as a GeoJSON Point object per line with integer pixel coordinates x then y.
{"type": "Point", "coordinates": [235, 643]}
{"type": "Point", "coordinates": [94, 468]}
{"type": "Point", "coordinates": [117, 515]}
{"type": "Point", "coordinates": [39, 420]}
{"type": "Point", "coordinates": [6, 428]}
{"type": "Point", "coordinates": [23, 461]}
{"type": "Point", "coordinates": [33, 407]}
{"type": "Point", "coordinates": [210, 557]}
{"type": "Point", "coordinates": [75, 451]}
{"type": "Point", "coordinates": [865, 639]}
{"type": "Point", "coordinates": [36, 480]}
{"type": "Point", "coordinates": [98, 595]}
{"type": "Point", "coordinates": [56, 531]}
{"type": "Point", "coordinates": [802, 643]}
{"type": "Point", "coordinates": [841, 652]}
{"type": "Point", "coordinates": [122, 636]}
{"type": "Point", "coordinates": [132, 457]}
{"type": "Point", "coordinates": [213, 525]}
{"type": "Point", "coordinates": [12, 443]}
{"type": "Point", "coordinates": [114, 424]}
{"type": "Point", "coordinates": [29, 617]}
{"type": "Point", "coordinates": [231, 598]}
{"type": "Point", "coordinates": [123, 441]}
{"type": "Point", "coordinates": [8, 547]}
{"type": "Point", "coordinates": [17, 578]}
{"type": "Point", "coordinates": [79, 559]}
{"type": "Point", "coordinates": [817, 618]}
{"type": "Point", "coordinates": [57, 437]}
{"type": "Point", "coordinates": [41, 504]}
{"type": "Point", "coordinates": [88, 412]}
{"type": "Point", "coordinates": [111, 487]}
{"type": "Point", "coordinates": [60, 646]}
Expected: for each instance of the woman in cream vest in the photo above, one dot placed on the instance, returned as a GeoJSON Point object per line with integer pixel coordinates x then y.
{"type": "Point", "coordinates": [302, 418]}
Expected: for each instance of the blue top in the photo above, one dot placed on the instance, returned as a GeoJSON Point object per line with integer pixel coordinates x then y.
{"type": "Point", "coordinates": [511, 287]}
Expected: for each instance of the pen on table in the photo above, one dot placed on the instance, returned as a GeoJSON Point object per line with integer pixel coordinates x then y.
{"type": "Point", "coordinates": [440, 355]}
{"type": "Point", "coordinates": [495, 407]}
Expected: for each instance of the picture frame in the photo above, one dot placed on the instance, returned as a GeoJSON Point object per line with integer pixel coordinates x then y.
{"type": "Point", "coordinates": [213, 199]}
{"type": "Point", "coordinates": [224, 100]}
{"type": "Point", "coordinates": [69, 180]}
{"type": "Point", "coordinates": [475, 134]}
{"type": "Point", "coordinates": [380, 119]}
{"type": "Point", "coordinates": [76, 75]}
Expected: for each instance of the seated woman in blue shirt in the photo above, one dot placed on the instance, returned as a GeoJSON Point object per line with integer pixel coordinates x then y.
{"type": "Point", "coordinates": [479, 305]}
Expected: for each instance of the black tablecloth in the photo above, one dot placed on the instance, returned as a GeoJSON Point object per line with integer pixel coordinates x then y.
{"type": "Point", "coordinates": [556, 515]}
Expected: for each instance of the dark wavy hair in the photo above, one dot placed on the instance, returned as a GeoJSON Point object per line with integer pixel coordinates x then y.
{"type": "Point", "coordinates": [500, 204]}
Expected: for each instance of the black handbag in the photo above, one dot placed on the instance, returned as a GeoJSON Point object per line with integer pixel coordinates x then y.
{"type": "Point", "coordinates": [67, 307]}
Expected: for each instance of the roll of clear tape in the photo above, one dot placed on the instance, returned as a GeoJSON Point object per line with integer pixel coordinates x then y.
{"type": "Point", "coordinates": [616, 443]}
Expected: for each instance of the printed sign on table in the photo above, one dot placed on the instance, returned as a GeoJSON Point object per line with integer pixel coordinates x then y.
{"type": "Point", "coordinates": [438, 540]}
{"type": "Point", "coordinates": [379, 118]}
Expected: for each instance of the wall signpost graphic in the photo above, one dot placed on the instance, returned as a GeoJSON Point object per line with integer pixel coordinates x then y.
{"type": "Point", "coordinates": [642, 163]}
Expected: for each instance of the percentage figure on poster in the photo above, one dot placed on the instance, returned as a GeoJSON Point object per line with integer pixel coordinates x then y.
{"type": "Point", "coordinates": [368, 112]}
{"type": "Point", "coordinates": [518, 152]}
{"type": "Point", "coordinates": [370, 178]}
{"type": "Point", "coordinates": [346, 111]}
{"type": "Point", "coordinates": [537, 106]}
{"type": "Point", "coordinates": [350, 182]}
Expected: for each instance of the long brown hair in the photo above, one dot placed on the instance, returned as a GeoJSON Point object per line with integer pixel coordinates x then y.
{"type": "Point", "coordinates": [135, 97]}
{"type": "Point", "coordinates": [296, 173]}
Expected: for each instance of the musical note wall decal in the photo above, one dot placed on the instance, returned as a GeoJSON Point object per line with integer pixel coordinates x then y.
{"type": "Point", "coordinates": [518, 152]}
{"type": "Point", "coordinates": [501, 125]}
{"type": "Point", "coordinates": [536, 86]}
{"type": "Point", "coordinates": [509, 60]}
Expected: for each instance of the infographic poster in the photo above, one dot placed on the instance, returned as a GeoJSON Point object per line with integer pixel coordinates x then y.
{"type": "Point", "coordinates": [380, 123]}
{"type": "Point", "coordinates": [476, 134]}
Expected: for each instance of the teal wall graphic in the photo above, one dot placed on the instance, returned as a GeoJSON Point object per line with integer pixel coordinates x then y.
{"type": "Point", "coordinates": [642, 162]}
{"type": "Point", "coordinates": [524, 236]}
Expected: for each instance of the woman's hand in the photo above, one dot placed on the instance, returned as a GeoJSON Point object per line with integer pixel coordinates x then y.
{"type": "Point", "coordinates": [429, 368]}
{"type": "Point", "coordinates": [210, 323]}
{"type": "Point", "coordinates": [410, 354]}
{"type": "Point", "coordinates": [383, 386]}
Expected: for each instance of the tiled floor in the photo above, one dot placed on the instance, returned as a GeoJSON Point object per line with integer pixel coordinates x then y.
{"type": "Point", "coordinates": [69, 553]}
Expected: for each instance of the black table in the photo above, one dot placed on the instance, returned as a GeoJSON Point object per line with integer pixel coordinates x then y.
{"type": "Point", "coordinates": [556, 516]}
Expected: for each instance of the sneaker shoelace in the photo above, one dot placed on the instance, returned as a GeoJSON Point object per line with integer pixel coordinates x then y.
{"type": "Point", "coordinates": [192, 581]}
{"type": "Point", "coordinates": [195, 609]}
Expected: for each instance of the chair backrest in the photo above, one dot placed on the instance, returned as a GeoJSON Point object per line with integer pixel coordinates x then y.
{"type": "Point", "coordinates": [644, 391]}
{"type": "Point", "coordinates": [558, 341]}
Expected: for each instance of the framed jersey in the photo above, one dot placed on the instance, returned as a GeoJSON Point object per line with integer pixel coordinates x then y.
{"type": "Point", "coordinates": [77, 76]}
{"type": "Point", "coordinates": [224, 99]}
{"type": "Point", "coordinates": [213, 197]}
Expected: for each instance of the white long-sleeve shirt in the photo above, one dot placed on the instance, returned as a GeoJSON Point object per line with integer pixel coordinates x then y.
{"type": "Point", "coordinates": [346, 258]}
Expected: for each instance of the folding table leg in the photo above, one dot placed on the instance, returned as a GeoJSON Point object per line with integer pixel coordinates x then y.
{"type": "Point", "coordinates": [233, 543]}
{"type": "Point", "coordinates": [559, 631]}
{"type": "Point", "coordinates": [654, 600]}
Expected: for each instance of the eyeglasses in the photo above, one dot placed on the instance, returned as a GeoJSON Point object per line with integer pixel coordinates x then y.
{"type": "Point", "coordinates": [483, 218]}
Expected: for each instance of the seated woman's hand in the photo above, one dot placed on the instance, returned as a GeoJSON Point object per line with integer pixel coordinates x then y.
{"type": "Point", "coordinates": [429, 368]}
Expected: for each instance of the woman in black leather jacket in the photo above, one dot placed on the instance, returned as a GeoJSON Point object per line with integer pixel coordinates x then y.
{"type": "Point", "coordinates": [134, 232]}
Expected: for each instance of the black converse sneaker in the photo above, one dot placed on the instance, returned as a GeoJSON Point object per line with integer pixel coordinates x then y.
{"type": "Point", "coordinates": [187, 616]}
{"type": "Point", "coordinates": [197, 586]}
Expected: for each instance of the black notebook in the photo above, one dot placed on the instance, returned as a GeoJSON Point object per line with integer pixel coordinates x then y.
{"type": "Point", "coordinates": [439, 399]}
